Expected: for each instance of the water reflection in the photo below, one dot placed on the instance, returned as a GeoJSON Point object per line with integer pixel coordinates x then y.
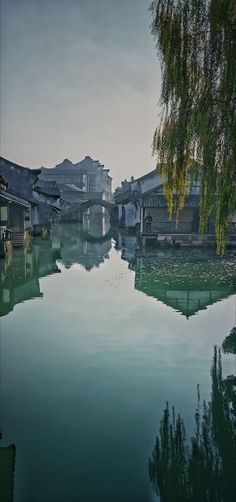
{"type": "Point", "coordinates": [127, 243]}
{"type": "Point", "coordinates": [96, 222]}
{"type": "Point", "coordinates": [97, 368]}
{"type": "Point", "coordinates": [75, 248]}
{"type": "Point", "coordinates": [20, 273]}
{"type": "Point", "coordinates": [229, 343]}
{"type": "Point", "coordinates": [187, 280]}
{"type": "Point", "coordinates": [204, 470]}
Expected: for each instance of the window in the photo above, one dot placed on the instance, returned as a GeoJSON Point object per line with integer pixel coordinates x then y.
{"type": "Point", "coordinates": [27, 215]}
{"type": "Point", "coordinates": [3, 214]}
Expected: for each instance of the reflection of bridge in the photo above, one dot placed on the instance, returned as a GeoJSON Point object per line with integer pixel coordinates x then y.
{"type": "Point", "coordinates": [86, 236]}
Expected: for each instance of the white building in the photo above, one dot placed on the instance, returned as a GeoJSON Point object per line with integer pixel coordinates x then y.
{"type": "Point", "coordinates": [87, 179]}
{"type": "Point", "coordinates": [126, 197]}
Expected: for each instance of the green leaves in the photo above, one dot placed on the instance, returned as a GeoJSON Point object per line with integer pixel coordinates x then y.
{"type": "Point", "coordinates": [196, 42]}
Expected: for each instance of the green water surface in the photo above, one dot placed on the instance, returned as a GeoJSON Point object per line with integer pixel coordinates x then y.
{"type": "Point", "coordinates": [95, 337]}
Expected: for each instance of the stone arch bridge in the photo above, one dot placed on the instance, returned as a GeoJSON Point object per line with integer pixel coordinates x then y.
{"type": "Point", "coordinates": [75, 212]}
{"type": "Point", "coordinates": [110, 206]}
{"type": "Point", "coordinates": [85, 204]}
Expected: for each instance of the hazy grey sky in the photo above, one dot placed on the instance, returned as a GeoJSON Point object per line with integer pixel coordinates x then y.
{"type": "Point", "coordinates": [78, 77]}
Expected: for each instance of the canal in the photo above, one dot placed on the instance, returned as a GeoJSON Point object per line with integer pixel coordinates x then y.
{"type": "Point", "coordinates": [96, 336]}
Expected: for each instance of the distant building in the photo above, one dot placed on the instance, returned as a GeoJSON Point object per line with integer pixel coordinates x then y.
{"type": "Point", "coordinates": [69, 180]}
{"type": "Point", "coordinates": [80, 181]}
{"type": "Point", "coordinates": [98, 182]}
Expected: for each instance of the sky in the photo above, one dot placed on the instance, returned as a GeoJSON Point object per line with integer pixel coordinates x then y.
{"type": "Point", "coordinates": [79, 77]}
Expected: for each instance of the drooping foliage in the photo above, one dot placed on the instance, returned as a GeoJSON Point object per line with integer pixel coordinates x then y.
{"type": "Point", "coordinates": [229, 343]}
{"type": "Point", "coordinates": [196, 42]}
{"type": "Point", "coordinates": [203, 470]}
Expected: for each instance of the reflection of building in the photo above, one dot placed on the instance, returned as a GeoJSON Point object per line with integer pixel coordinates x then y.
{"type": "Point", "coordinates": [21, 271]}
{"type": "Point", "coordinates": [186, 280]}
{"type": "Point", "coordinates": [127, 243]}
{"type": "Point", "coordinates": [20, 274]}
{"type": "Point", "coordinates": [76, 250]}
{"type": "Point", "coordinates": [96, 221]}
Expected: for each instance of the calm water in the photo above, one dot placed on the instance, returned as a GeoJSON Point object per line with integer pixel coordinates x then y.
{"type": "Point", "coordinates": [95, 338]}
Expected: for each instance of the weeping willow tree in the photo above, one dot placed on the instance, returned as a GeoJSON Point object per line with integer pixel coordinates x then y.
{"type": "Point", "coordinates": [196, 42]}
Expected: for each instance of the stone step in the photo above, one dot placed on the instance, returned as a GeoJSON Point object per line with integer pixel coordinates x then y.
{"type": "Point", "coordinates": [18, 239]}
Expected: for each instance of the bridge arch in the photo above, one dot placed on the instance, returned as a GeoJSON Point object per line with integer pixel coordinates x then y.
{"type": "Point", "coordinates": [110, 206]}
{"type": "Point", "coordinates": [86, 204]}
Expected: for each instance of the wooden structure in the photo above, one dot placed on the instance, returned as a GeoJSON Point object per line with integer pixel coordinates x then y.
{"type": "Point", "coordinates": [27, 205]}
{"type": "Point", "coordinates": [13, 213]}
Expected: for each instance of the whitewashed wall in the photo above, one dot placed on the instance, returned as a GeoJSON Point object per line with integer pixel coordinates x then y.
{"type": "Point", "coordinates": [148, 183]}
{"type": "Point", "coordinates": [132, 214]}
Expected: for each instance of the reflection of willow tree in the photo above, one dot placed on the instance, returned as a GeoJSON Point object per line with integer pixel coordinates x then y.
{"type": "Point", "coordinates": [205, 470]}
{"type": "Point", "coordinates": [229, 343]}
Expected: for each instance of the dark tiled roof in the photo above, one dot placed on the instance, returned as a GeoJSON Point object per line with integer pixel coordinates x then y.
{"type": "Point", "coordinates": [47, 188]}
{"type": "Point", "coordinates": [99, 202]}
{"type": "Point", "coordinates": [90, 166]}
{"type": "Point", "coordinates": [154, 199]}
{"type": "Point", "coordinates": [18, 166]}
{"type": "Point", "coordinates": [123, 197]}
{"type": "Point", "coordinates": [20, 179]}
{"type": "Point", "coordinates": [55, 207]}
{"type": "Point", "coordinates": [73, 187]}
{"type": "Point", "coordinates": [3, 182]}
{"type": "Point", "coordinates": [14, 198]}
